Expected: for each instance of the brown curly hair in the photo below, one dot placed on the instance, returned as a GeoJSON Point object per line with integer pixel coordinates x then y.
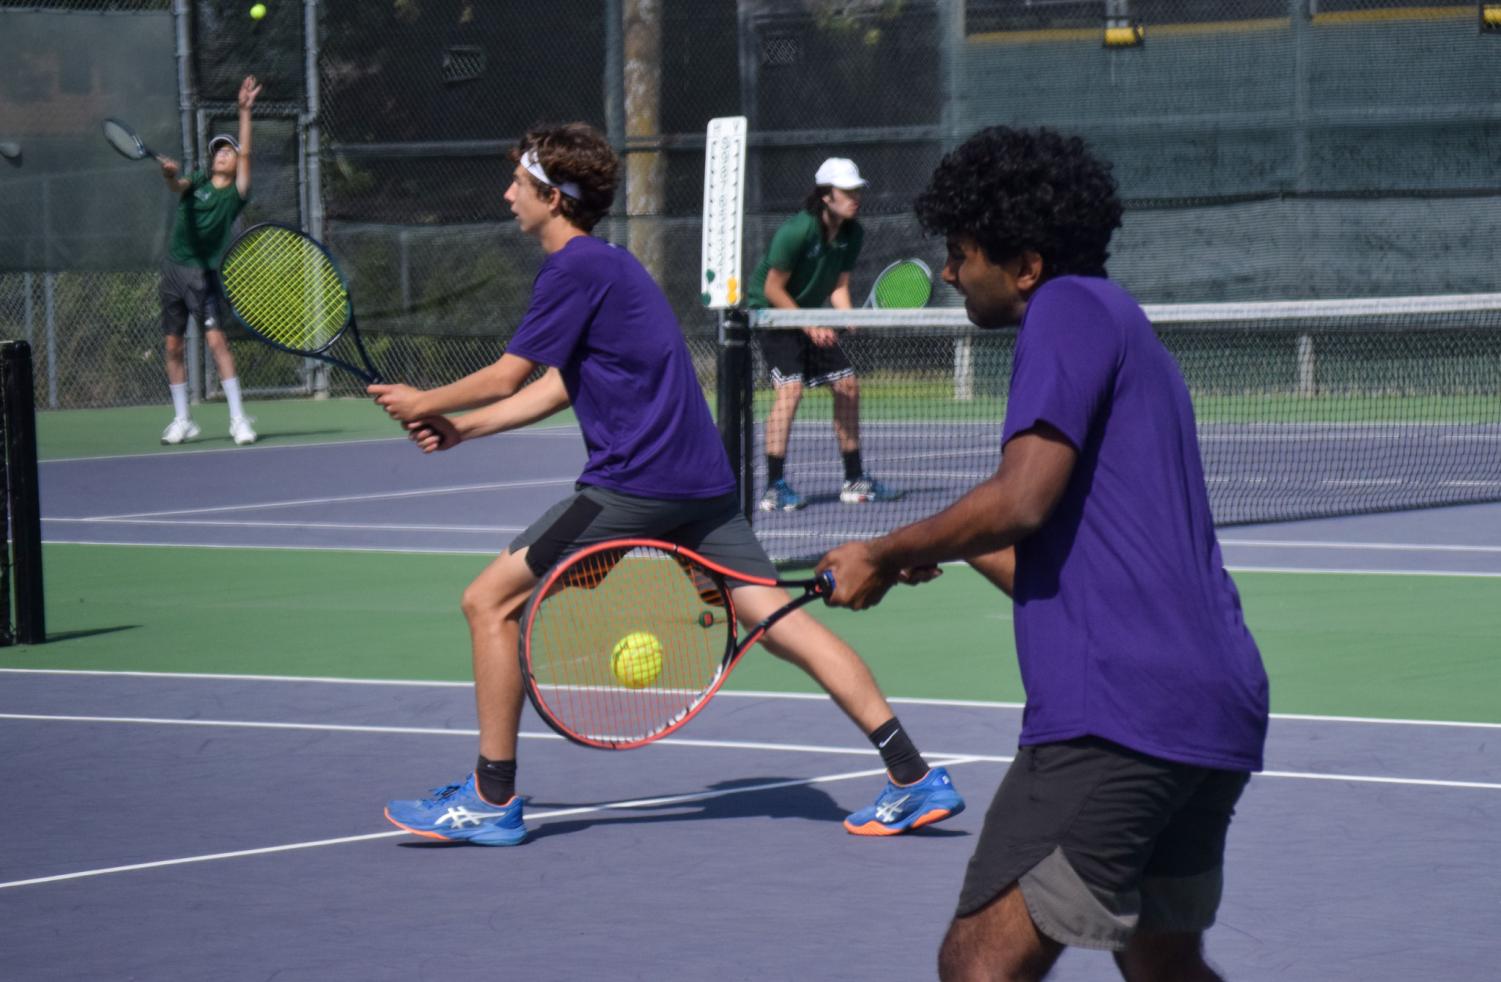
{"type": "Point", "coordinates": [579, 153]}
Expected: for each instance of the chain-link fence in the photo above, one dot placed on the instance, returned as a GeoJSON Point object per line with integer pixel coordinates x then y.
{"type": "Point", "coordinates": [1266, 148]}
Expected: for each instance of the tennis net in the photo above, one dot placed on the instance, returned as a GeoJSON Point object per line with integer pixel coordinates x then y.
{"type": "Point", "coordinates": [1305, 409]}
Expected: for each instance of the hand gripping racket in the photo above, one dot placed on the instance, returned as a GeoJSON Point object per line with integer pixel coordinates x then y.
{"type": "Point", "coordinates": [625, 641]}
{"type": "Point", "coordinates": [285, 288]}
{"type": "Point", "coordinates": [126, 141]}
{"type": "Point", "coordinates": [905, 283]}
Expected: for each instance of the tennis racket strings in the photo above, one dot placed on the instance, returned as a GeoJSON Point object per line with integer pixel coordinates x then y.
{"type": "Point", "coordinates": [615, 604]}
{"type": "Point", "coordinates": [286, 288]}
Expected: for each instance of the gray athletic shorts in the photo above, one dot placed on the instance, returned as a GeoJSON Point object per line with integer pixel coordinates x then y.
{"type": "Point", "coordinates": [1105, 841]}
{"type": "Point", "coordinates": [188, 290]}
{"type": "Point", "coordinates": [712, 527]}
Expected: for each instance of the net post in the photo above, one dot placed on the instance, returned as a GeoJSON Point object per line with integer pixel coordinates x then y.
{"type": "Point", "coordinates": [22, 491]}
{"type": "Point", "coordinates": [734, 408]}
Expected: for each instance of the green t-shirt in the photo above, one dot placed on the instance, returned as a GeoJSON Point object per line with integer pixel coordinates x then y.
{"type": "Point", "coordinates": [799, 248]}
{"type": "Point", "coordinates": [205, 215]}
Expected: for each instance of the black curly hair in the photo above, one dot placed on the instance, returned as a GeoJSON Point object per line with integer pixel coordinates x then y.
{"type": "Point", "coordinates": [1014, 190]}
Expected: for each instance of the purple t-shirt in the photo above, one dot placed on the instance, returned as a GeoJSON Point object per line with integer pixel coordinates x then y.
{"type": "Point", "coordinates": [599, 318]}
{"type": "Point", "coordinates": [1127, 625]}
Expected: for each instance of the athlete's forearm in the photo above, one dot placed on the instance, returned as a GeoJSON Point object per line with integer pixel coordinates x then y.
{"type": "Point", "coordinates": [242, 170]}
{"type": "Point", "coordinates": [535, 402]}
{"type": "Point", "coordinates": [999, 567]}
{"type": "Point", "coordinates": [490, 384]}
{"type": "Point", "coordinates": [995, 514]}
{"type": "Point", "coordinates": [984, 521]}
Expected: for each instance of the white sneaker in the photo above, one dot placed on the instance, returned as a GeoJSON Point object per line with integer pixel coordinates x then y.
{"type": "Point", "coordinates": [864, 490]}
{"type": "Point", "coordinates": [179, 430]}
{"type": "Point", "coordinates": [241, 430]}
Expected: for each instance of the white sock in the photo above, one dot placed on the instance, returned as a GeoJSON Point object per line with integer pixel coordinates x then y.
{"type": "Point", "coordinates": [179, 399]}
{"type": "Point", "coordinates": [231, 387]}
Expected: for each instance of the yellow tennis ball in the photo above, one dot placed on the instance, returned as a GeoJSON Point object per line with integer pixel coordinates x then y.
{"type": "Point", "coordinates": [637, 659]}
{"type": "Point", "coordinates": [258, 11]}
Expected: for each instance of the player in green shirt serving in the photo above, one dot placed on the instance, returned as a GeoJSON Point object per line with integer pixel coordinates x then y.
{"type": "Point", "coordinates": [207, 206]}
{"type": "Point", "coordinates": [808, 265]}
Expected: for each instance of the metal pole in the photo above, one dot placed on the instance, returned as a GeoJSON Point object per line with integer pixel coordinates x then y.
{"type": "Point", "coordinates": [403, 252]}
{"type": "Point", "coordinates": [28, 287]}
{"type": "Point", "coordinates": [951, 41]}
{"type": "Point", "coordinates": [196, 355]}
{"type": "Point", "coordinates": [1298, 16]}
{"type": "Point", "coordinates": [1308, 377]}
{"type": "Point", "coordinates": [180, 20]}
{"type": "Point", "coordinates": [313, 109]}
{"type": "Point", "coordinates": [49, 301]}
{"type": "Point", "coordinates": [750, 69]}
{"type": "Point", "coordinates": [614, 95]}
{"type": "Point", "coordinates": [190, 124]}
{"type": "Point", "coordinates": [317, 370]}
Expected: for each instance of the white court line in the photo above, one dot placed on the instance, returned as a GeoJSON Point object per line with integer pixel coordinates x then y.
{"type": "Point", "coordinates": [336, 499]}
{"type": "Point", "coordinates": [219, 523]}
{"type": "Point", "coordinates": [711, 744]}
{"type": "Point", "coordinates": [1384, 546]}
{"type": "Point", "coordinates": [722, 694]}
{"type": "Point", "coordinates": [681, 799]}
{"type": "Point", "coordinates": [163, 544]}
{"type": "Point", "coordinates": [565, 430]}
{"type": "Point", "coordinates": [674, 741]}
{"type": "Point", "coordinates": [1324, 571]}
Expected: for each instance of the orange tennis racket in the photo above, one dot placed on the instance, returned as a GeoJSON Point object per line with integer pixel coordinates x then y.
{"type": "Point", "coordinates": [625, 641]}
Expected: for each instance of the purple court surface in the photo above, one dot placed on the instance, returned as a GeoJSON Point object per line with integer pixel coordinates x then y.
{"type": "Point", "coordinates": [164, 827]}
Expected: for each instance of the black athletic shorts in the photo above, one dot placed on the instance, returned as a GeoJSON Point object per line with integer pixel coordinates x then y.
{"type": "Point", "coordinates": [793, 357]}
{"type": "Point", "coordinates": [715, 528]}
{"type": "Point", "coordinates": [1105, 841]}
{"type": "Point", "coordinates": [188, 290]}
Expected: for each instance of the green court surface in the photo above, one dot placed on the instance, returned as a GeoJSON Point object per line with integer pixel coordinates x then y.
{"type": "Point", "coordinates": [893, 398]}
{"type": "Point", "coordinates": [1421, 647]}
{"type": "Point", "coordinates": [280, 422]}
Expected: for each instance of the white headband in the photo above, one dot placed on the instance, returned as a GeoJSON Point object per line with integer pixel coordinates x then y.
{"type": "Point", "coordinates": [534, 168]}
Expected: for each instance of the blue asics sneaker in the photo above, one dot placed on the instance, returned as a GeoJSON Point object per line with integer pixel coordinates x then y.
{"type": "Point", "coordinates": [901, 807]}
{"type": "Point", "coordinates": [780, 497]}
{"type": "Point", "coordinates": [863, 490]}
{"type": "Point", "coordinates": [457, 813]}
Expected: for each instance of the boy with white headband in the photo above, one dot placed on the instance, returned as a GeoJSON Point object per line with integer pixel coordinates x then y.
{"type": "Point", "coordinates": [612, 349]}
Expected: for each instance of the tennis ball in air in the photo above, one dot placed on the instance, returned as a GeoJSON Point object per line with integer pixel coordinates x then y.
{"type": "Point", "coordinates": [637, 659]}
{"type": "Point", "coordinates": [258, 11]}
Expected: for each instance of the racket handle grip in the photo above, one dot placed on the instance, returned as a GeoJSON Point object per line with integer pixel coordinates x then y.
{"type": "Point", "coordinates": [826, 583]}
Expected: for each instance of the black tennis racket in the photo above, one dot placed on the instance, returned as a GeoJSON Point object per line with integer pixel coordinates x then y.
{"type": "Point", "coordinates": [126, 141]}
{"type": "Point", "coordinates": [625, 641]}
{"type": "Point", "coordinates": [286, 290]}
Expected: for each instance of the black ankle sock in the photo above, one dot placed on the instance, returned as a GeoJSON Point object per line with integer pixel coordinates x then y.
{"type": "Point", "coordinates": [898, 752]}
{"type": "Point", "coordinates": [853, 469]}
{"type": "Point", "coordinates": [497, 780]}
{"type": "Point", "coordinates": [774, 466]}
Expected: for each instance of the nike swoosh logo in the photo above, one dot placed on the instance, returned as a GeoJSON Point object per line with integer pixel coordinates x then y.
{"type": "Point", "coordinates": [882, 744]}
